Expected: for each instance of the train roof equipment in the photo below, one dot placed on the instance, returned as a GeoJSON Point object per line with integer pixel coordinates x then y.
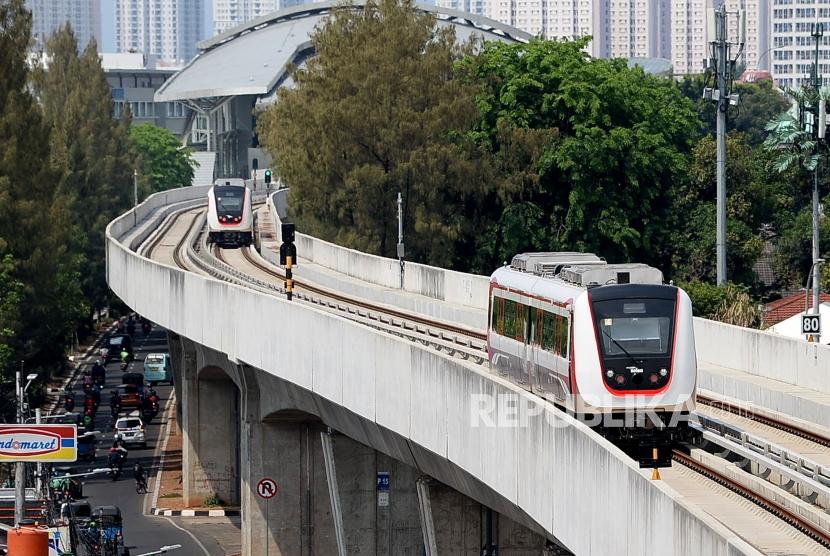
{"type": "Point", "coordinates": [584, 269]}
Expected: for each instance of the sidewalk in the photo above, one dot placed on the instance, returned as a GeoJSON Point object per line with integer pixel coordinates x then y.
{"type": "Point", "coordinates": [217, 527]}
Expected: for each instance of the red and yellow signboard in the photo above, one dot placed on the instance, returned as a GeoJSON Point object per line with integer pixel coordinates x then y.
{"type": "Point", "coordinates": [38, 443]}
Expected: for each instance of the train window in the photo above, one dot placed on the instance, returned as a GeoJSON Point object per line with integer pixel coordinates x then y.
{"type": "Point", "coordinates": [549, 330]}
{"type": "Point", "coordinates": [521, 321]}
{"type": "Point", "coordinates": [494, 312]}
{"type": "Point", "coordinates": [562, 335]}
{"type": "Point", "coordinates": [531, 325]}
{"type": "Point", "coordinates": [509, 318]}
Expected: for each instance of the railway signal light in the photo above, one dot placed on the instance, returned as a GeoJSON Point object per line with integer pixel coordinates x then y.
{"type": "Point", "coordinates": [267, 176]}
{"type": "Point", "coordinates": [288, 256]}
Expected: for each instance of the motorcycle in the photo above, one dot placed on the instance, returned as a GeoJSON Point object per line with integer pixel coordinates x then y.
{"type": "Point", "coordinates": [68, 400]}
{"type": "Point", "coordinates": [116, 462]}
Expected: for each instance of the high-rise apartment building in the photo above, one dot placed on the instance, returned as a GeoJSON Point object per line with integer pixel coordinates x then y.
{"type": "Point", "coordinates": [755, 54]}
{"type": "Point", "coordinates": [477, 7]}
{"type": "Point", "coordinates": [633, 28]}
{"type": "Point", "coordinates": [83, 15]}
{"type": "Point", "coordinates": [552, 19]}
{"type": "Point", "coordinates": [688, 35]}
{"type": "Point", "coordinates": [793, 47]}
{"type": "Point", "coordinates": [168, 29]}
{"type": "Point", "coordinates": [230, 13]}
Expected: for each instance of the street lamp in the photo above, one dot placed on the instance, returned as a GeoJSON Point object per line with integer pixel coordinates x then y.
{"type": "Point", "coordinates": [19, 469]}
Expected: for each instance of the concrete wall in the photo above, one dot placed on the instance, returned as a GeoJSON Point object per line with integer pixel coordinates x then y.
{"type": "Point", "coordinates": [766, 354]}
{"type": "Point", "coordinates": [547, 471]}
{"type": "Point", "coordinates": [463, 297]}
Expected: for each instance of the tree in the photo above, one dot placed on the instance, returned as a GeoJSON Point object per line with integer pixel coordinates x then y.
{"type": "Point", "coordinates": [165, 163]}
{"type": "Point", "coordinates": [34, 223]}
{"type": "Point", "coordinates": [377, 111]}
{"type": "Point", "coordinates": [756, 204]}
{"type": "Point", "coordinates": [89, 147]}
{"type": "Point", "coordinates": [610, 144]}
{"type": "Point", "coordinates": [758, 104]}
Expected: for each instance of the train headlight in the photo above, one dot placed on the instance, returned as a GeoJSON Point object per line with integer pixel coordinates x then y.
{"type": "Point", "coordinates": [663, 372]}
{"type": "Point", "coordinates": [609, 373]}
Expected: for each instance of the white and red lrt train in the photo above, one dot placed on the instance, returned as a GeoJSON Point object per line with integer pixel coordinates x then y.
{"type": "Point", "coordinates": [230, 216]}
{"type": "Point", "coordinates": [609, 343]}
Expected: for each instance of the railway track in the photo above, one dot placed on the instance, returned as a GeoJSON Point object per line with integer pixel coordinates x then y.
{"type": "Point", "coordinates": [767, 503]}
{"type": "Point", "coordinates": [743, 410]}
{"type": "Point", "coordinates": [454, 340]}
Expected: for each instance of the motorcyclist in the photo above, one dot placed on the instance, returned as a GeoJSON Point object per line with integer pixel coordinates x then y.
{"type": "Point", "coordinates": [140, 478]}
{"type": "Point", "coordinates": [87, 380]}
{"type": "Point", "coordinates": [115, 399]}
{"type": "Point", "coordinates": [88, 422]}
{"type": "Point", "coordinates": [118, 443]}
{"type": "Point", "coordinates": [125, 355]}
{"type": "Point", "coordinates": [99, 373]}
{"type": "Point", "coordinates": [68, 399]}
{"type": "Point", "coordinates": [117, 456]}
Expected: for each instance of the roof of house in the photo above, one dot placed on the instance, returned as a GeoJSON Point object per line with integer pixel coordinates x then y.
{"type": "Point", "coordinates": [786, 307]}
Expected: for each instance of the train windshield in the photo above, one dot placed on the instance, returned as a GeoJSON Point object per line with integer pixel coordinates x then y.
{"type": "Point", "coordinates": [229, 199]}
{"type": "Point", "coordinates": [634, 326]}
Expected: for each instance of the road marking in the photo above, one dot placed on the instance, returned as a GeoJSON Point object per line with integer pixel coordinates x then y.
{"type": "Point", "coordinates": [192, 536]}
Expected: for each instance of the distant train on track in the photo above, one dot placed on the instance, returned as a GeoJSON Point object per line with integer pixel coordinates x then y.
{"type": "Point", "coordinates": [609, 343]}
{"type": "Point", "coordinates": [230, 216]}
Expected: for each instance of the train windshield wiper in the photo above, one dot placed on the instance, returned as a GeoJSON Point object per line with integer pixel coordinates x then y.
{"type": "Point", "coordinates": [619, 345]}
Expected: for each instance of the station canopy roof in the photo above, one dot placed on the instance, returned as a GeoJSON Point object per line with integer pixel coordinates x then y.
{"type": "Point", "coordinates": [254, 58]}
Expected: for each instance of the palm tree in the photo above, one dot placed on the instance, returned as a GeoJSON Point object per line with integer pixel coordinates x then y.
{"type": "Point", "coordinates": [787, 136]}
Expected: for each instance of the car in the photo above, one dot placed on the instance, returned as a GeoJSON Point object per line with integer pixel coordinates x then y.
{"type": "Point", "coordinates": [157, 368]}
{"type": "Point", "coordinates": [131, 396]}
{"type": "Point", "coordinates": [115, 344]}
{"type": "Point", "coordinates": [131, 429]}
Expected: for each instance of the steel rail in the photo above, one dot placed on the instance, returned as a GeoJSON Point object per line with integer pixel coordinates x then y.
{"type": "Point", "coordinates": [773, 507]}
{"type": "Point", "coordinates": [788, 427]}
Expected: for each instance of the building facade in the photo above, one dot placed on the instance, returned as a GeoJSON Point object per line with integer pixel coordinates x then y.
{"type": "Point", "coordinates": [551, 19]}
{"type": "Point", "coordinates": [755, 55]}
{"type": "Point", "coordinates": [792, 46]}
{"type": "Point", "coordinates": [168, 29]}
{"type": "Point", "coordinates": [227, 14]}
{"type": "Point", "coordinates": [477, 7]}
{"type": "Point", "coordinates": [48, 15]}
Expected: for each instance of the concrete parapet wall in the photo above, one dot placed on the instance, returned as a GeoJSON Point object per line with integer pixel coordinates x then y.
{"type": "Point", "coordinates": [764, 354]}
{"type": "Point", "coordinates": [466, 290]}
{"type": "Point", "coordinates": [554, 472]}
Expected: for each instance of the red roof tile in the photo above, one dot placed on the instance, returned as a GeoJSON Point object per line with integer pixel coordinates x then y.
{"type": "Point", "coordinates": [786, 307]}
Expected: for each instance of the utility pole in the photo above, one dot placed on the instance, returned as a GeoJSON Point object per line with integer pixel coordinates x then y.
{"type": "Point", "coordinates": [819, 132]}
{"type": "Point", "coordinates": [135, 187]}
{"type": "Point", "coordinates": [723, 66]}
{"type": "Point", "coordinates": [19, 469]}
{"type": "Point", "coordinates": [400, 235]}
{"type": "Point", "coordinates": [722, 57]}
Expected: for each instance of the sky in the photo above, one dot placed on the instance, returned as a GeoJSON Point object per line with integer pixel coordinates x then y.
{"type": "Point", "coordinates": [108, 23]}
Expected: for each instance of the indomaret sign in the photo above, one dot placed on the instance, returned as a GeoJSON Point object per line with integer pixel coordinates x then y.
{"type": "Point", "coordinates": [38, 443]}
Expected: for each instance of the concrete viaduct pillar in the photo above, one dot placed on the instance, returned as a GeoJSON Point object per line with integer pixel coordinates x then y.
{"type": "Point", "coordinates": [210, 432]}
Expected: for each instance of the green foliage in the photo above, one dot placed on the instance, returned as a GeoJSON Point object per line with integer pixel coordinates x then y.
{"type": "Point", "coordinates": [89, 149]}
{"type": "Point", "coordinates": [214, 500]}
{"type": "Point", "coordinates": [755, 203]}
{"type": "Point", "coordinates": [164, 163]}
{"type": "Point", "coordinates": [759, 103]}
{"type": "Point", "coordinates": [378, 112]}
{"type": "Point", "coordinates": [11, 298]}
{"type": "Point", "coordinates": [607, 147]}
{"type": "Point", "coordinates": [730, 303]}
